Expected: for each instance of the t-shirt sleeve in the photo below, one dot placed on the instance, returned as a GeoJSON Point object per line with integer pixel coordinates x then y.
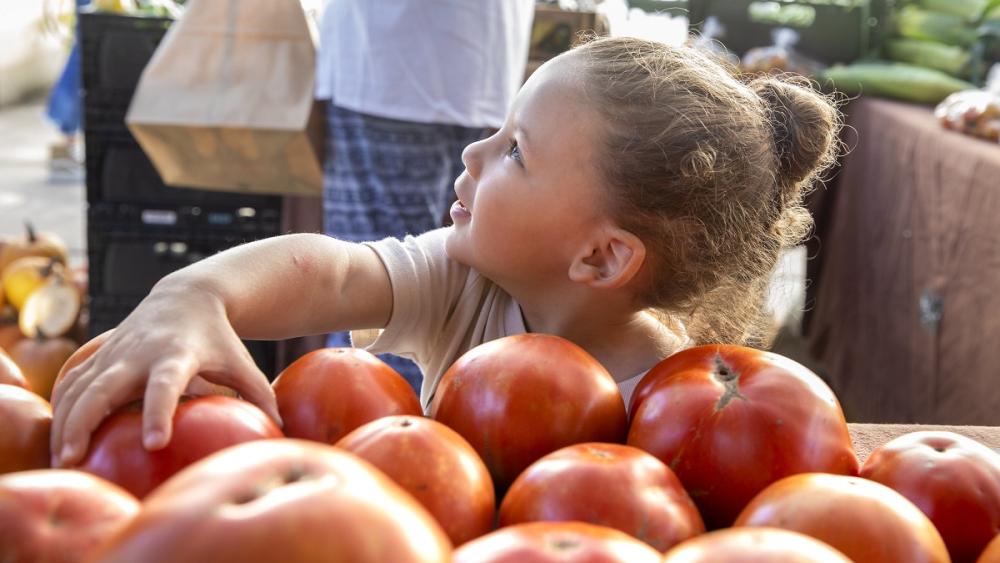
{"type": "Point", "coordinates": [426, 285]}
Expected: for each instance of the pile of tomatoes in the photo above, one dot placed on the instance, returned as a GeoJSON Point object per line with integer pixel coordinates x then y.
{"type": "Point", "coordinates": [527, 453]}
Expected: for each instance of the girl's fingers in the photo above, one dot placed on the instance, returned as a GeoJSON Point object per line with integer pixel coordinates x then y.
{"type": "Point", "coordinates": [257, 390]}
{"type": "Point", "coordinates": [91, 391]}
{"type": "Point", "coordinates": [70, 382]}
{"type": "Point", "coordinates": [245, 378]}
{"type": "Point", "coordinates": [104, 394]}
{"type": "Point", "coordinates": [167, 381]}
{"type": "Point", "coordinates": [72, 387]}
{"type": "Point", "coordinates": [62, 385]}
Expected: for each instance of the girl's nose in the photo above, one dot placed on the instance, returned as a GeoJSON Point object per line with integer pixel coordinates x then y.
{"type": "Point", "coordinates": [472, 158]}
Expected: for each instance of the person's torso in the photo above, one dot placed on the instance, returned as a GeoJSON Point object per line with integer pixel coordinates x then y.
{"type": "Point", "coordinates": [457, 62]}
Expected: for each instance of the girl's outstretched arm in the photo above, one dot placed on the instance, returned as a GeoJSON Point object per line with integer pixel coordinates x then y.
{"type": "Point", "coordinates": [192, 321]}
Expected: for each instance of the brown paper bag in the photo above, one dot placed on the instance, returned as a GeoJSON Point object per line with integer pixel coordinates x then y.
{"type": "Point", "coordinates": [226, 102]}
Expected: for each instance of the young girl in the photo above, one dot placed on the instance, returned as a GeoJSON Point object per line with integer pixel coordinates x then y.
{"type": "Point", "coordinates": [634, 202]}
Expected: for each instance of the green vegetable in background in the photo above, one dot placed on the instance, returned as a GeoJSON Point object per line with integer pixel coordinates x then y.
{"type": "Point", "coordinates": [946, 58]}
{"type": "Point", "coordinates": [969, 10]}
{"type": "Point", "coordinates": [915, 23]}
{"type": "Point", "coordinates": [895, 80]}
{"type": "Point", "coordinates": [993, 14]}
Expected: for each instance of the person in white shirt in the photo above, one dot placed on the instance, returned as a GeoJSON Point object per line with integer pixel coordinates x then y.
{"type": "Point", "coordinates": [409, 84]}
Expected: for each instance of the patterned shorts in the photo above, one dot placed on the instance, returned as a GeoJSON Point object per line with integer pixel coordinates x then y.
{"type": "Point", "coordinates": [385, 177]}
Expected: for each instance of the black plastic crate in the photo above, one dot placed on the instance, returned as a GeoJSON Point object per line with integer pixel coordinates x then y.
{"type": "Point", "coordinates": [130, 267]}
{"type": "Point", "coordinates": [114, 50]}
{"type": "Point", "coordinates": [107, 311]}
{"type": "Point", "coordinates": [119, 171]}
{"type": "Point", "coordinates": [106, 119]}
{"type": "Point", "coordinates": [223, 222]}
{"type": "Point", "coordinates": [831, 31]}
{"type": "Point", "coordinates": [127, 258]}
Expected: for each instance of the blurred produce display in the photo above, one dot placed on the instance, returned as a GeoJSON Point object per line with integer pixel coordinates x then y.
{"type": "Point", "coordinates": [959, 37]}
{"type": "Point", "coordinates": [935, 49]}
{"type": "Point", "coordinates": [33, 275]}
{"type": "Point", "coordinates": [974, 112]}
{"type": "Point", "coordinates": [829, 31]}
{"type": "Point", "coordinates": [919, 51]}
{"type": "Point", "coordinates": [895, 80]}
{"type": "Point", "coordinates": [153, 8]}
{"type": "Point", "coordinates": [43, 310]}
{"type": "Point", "coordinates": [781, 56]}
{"type": "Point", "coordinates": [949, 59]}
{"type": "Point", "coordinates": [916, 22]}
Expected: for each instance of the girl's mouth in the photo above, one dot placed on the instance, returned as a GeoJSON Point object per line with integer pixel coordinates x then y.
{"type": "Point", "coordinates": [459, 212]}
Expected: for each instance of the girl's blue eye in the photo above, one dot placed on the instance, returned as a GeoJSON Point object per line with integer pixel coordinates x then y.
{"type": "Point", "coordinates": [513, 151]}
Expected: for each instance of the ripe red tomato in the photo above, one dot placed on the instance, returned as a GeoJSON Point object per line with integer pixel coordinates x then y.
{"type": "Point", "coordinates": [329, 392]}
{"type": "Point", "coordinates": [556, 542]}
{"type": "Point", "coordinates": [201, 426]}
{"type": "Point", "coordinates": [607, 484]}
{"type": "Point", "coordinates": [992, 552]}
{"type": "Point", "coordinates": [868, 522]}
{"type": "Point", "coordinates": [25, 421]}
{"type": "Point", "coordinates": [434, 464]}
{"type": "Point", "coordinates": [731, 420]}
{"type": "Point", "coordinates": [520, 397]}
{"type": "Point", "coordinates": [280, 500]}
{"type": "Point", "coordinates": [754, 545]}
{"type": "Point", "coordinates": [59, 515]}
{"type": "Point", "coordinates": [954, 480]}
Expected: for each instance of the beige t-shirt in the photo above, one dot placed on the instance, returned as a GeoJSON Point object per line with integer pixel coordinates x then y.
{"type": "Point", "coordinates": [442, 309]}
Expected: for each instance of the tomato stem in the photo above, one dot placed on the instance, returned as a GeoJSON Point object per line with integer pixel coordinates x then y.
{"type": "Point", "coordinates": [730, 378]}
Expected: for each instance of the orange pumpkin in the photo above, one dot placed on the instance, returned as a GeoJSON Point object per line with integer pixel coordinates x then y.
{"type": "Point", "coordinates": [46, 245]}
{"type": "Point", "coordinates": [10, 334]}
{"type": "Point", "coordinates": [40, 359]}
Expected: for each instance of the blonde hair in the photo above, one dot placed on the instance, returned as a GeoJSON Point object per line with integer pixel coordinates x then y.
{"type": "Point", "coordinates": [710, 173]}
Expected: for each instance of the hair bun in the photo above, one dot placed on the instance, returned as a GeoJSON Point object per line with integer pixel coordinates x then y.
{"type": "Point", "coordinates": [804, 123]}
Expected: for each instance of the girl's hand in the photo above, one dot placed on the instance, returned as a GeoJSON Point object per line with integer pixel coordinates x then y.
{"type": "Point", "coordinates": [273, 288]}
{"type": "Point", "coordinates": [154, 354]}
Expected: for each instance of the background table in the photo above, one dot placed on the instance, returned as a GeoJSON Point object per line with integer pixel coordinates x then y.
{"type": "Point", "coordinates": [904, 289]}
{"type": "Point", "coordinates": [867, 437]}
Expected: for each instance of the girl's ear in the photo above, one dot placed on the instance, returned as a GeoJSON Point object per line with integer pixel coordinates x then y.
{"type": "Point", "coordinates": [609, 261]}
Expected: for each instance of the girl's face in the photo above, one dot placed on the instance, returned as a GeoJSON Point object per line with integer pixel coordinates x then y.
{"type": "Point", "coordinates": [530, 197]}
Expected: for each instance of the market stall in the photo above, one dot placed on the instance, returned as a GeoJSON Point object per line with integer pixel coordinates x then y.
{"type": "Point", "coordinates": [528, 448]}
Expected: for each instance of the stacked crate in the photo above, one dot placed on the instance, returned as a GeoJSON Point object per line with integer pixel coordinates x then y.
{"type": "Point", "coordinates": [139, 229]}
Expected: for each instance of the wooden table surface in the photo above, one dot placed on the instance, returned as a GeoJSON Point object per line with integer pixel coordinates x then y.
{"type": "Point", "coordinates": [867, 437]}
